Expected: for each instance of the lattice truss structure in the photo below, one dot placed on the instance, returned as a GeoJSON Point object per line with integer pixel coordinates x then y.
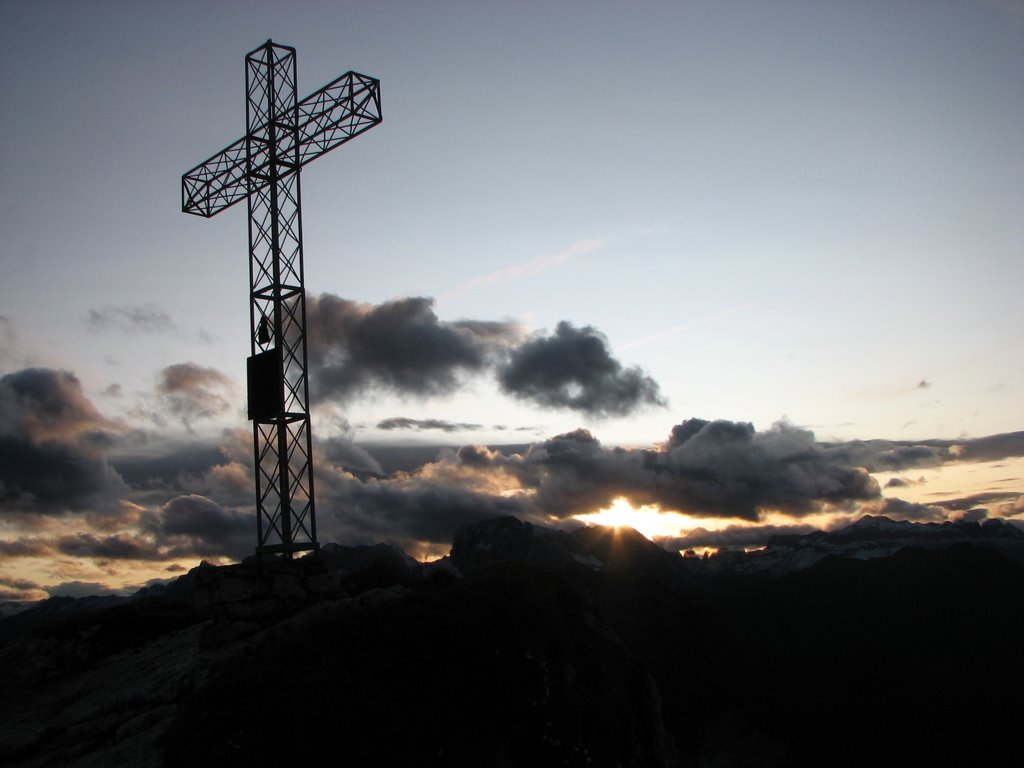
{"type": "Point", "coordinates": [282, 135]}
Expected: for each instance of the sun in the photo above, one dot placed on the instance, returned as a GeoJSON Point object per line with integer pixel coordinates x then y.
{"type": "Point", "coordinates": [650, 521]}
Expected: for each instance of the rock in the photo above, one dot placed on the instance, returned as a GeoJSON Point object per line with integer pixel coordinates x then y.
{"type": "Point", "coordinates": [233, 590]}
{"type": "Point", "coordinates": [288, 586]}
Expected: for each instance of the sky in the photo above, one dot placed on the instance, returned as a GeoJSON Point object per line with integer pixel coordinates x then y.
{"type": "Point", "coordinates": [704, 264]}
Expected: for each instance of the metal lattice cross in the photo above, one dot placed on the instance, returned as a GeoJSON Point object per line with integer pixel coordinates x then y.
{"type": "Point", "coordinates": [282, 135]}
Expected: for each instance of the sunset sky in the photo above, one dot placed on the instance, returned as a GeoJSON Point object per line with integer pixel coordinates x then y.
{"type": "Point", "coordinates": [581, 228]}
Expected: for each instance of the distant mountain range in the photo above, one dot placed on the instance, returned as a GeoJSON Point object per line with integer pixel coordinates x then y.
{"type": "Point", "coordinates": [867, 538]}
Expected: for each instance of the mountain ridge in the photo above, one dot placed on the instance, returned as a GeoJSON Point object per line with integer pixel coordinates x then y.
{"type": "Point", "coordinates": [535, 646]}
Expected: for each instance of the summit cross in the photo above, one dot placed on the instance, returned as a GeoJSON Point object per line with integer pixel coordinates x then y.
{"type": "Point", "coordinates": [282, 135]}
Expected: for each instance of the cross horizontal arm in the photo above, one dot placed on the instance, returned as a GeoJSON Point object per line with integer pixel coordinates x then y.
{"type": "Point", "coordinates": [217, 184]}
{"type": "Point", "coordinates": [339, 111]}
{"type": "Point", "coordinates": [336, 113]}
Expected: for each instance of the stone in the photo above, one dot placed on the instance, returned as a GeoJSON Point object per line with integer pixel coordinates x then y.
{"type": "Point", "coordinates": [233, 590]}
{"type": "Point", "coordinates": [288, 586]}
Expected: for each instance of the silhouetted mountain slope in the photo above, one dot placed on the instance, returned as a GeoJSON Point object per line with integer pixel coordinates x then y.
{"type": "Point", "coordinates": [531, 646]}
{"type": "Point", "coordinates": [510, 666]}
{"type": "Point", "coordinates": [907, 657]}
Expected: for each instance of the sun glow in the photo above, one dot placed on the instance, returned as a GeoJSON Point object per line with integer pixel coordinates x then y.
{"type": "Point", "coordinates": [651, 521]}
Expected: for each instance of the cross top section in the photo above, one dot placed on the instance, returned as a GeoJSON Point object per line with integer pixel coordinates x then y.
{"type": "Point", "coordinates": [325, 119]}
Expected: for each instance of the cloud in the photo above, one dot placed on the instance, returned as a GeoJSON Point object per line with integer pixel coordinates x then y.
{"type": "Point", "coordinates": [130, 319]}
{"type": "Point", "coordinates": [989, 499]}
{"type": "Point", "coordinates": [402, 347]}
{"type": "Point", "coordinates": [344, 453]}
{"type": "Point", "coordinates": [42, 404]}
{"type": "Point", "coordinates": [716, 468]}
{"type": "Point", "coordinates": [192, 392]}
{"type": "Point", "coordinates": [53, 443]}
{"type": "Point", "coordinates": [711, 469]}
{"type": "Point", "coordinates": [24, 547]}
{"type": "Point", "coordinates": [574, 369]}
{"type": "Point", "coordinates": [144, 461]}
{"type": "Point", "coordinates": [990, 448]}
{"type": "Point", "coordinates": [408, 509]}
{"type": "Point", "coordinates": [898, 509]}
{"type": "Point", "coordinates": [198, 526]}
{"type": "Point", "coordinates": [185, 500]}
{"type": "Point", "coordinates": [888, 455]}
{"type": "Point", "coordinates": [188, 526]}
{"type": "Point", "coordinates": [975, 515]}
{"type": "Point", "coordinates": [401, 422]}
{"type": "Point", "coordinates": [530, 268]}
{"type": "Point", "coordinates": [119, 546]}
{"type": "Point", "coordinates": [734, 536]}
{"type": "Point", "coordinates": [399, 346]}
{"type": "Point", "coordinates": [81, 589]}
{"type": "Point", "coordinates": [705, 469]}
{"type": "Point", "coordinates": [16, 583]}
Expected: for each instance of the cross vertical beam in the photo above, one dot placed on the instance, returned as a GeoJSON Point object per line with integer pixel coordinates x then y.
{"type": "Point", "coordinates": [282, 440]}
{"type": "Point", "coordinates": [282, 135]}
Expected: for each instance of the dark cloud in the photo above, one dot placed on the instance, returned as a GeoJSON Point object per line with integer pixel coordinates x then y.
{"type": "Point", "coordinates": [990, 448]}
{"type": "Point", "coordinates": [130, 319]}
{"type": "Point", "coordinates": [705, 469]}
{"type": "Point", "coordinates": [165, 465]}
{"type": "Point", "coordinates": [708, 469]}
{"type": "Point", "coordinates": [418, 494]}
{"type": "Point", "coordinates": [344, 453]}
{"type": "Point", "coordinates": [187, 526]}
{"type": "Point", "coordinates": [394, 457]}
{"type": "Point", "coordinates": [120, 546]}
{"type": "Point", "coordinates": [729, 469]}
{"type": "Point", "coordinates": [734, 536]}
{"type": "Point", "coordinates": [975, 515]}
{"type": "Point", "coordinates": [888, 455]}
{"type": "Point", "coordinates": [990, 498]}
{"type": "Point", "coordinates": [896, 455]}
{"type": "Point", "coordinates": [409, 509]}
{"type": "Point", "coordinates": [19, 584]}
{"type": "Point", "coordinates": [574, 369]}
{"type": "Point", "coordinates": [399, 345]}
{"type": "Point", "coordinates": [402, 422]}
{"type": "Point", "coordinates": [81, 589]}
{"type": "Point", "coordinates": [192, 392]}
{"type": "Point", "coordinates": [196, 525]}
{"type": "Point", "coordinates": [898, 509]}
{"type": "Point", "coordinates": [24, 547]}
{"type": "Point", "coordinates": [53, 443]}
{"type": "Point", "coordinates": [403, 347]}
{"type": "Point", "coordinates": [43, 404]}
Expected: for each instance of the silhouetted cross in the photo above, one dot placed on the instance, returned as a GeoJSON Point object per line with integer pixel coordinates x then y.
{"type": "Point", "coordinates": [282, 135]}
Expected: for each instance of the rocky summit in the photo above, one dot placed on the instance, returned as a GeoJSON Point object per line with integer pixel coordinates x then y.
{"type": "Point", "coordinates": [533, 646]}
